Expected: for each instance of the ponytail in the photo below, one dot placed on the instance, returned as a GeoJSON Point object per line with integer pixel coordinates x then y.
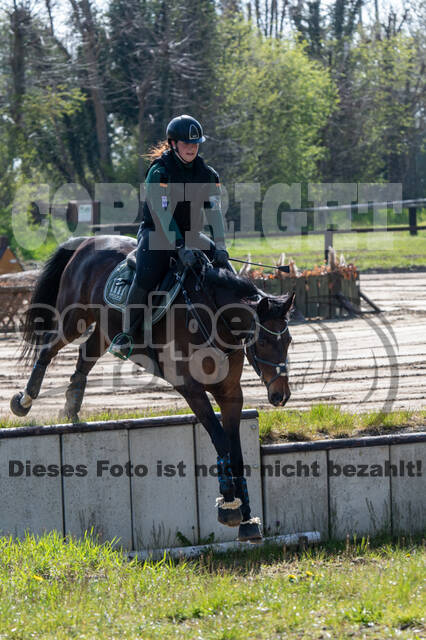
{"type": "Point", "coordinates": [157, 150]}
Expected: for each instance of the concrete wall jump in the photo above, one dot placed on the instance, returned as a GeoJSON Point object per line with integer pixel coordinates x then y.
{"type": "Point", "coordinates": [146, 483]}
{"type": "Point", "coordinates": [152, 483]}
{"type": "Point", "coordinates": [363, 486]}
{"type": "Point", "coordinates": [295, 502]}
{"type": "Point", "coordinates": [164, 501]}
{"type": "Point", "coordinates": [99, 499]}
{"type": "Point", "coordinates": [30, 499]}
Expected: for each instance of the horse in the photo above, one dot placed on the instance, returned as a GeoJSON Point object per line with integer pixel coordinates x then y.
{"type": "Point", "coordinates": [217, 318]}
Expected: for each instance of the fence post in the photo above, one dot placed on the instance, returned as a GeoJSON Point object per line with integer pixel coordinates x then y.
{"type": "Point", "coordinates": [328, 242]}
{"type": "Point", "coordinates": [412, 220]}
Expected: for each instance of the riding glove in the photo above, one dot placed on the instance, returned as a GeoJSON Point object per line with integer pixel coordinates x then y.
{"type": "Point", "coordinates": [187, 257]}
{"type": "Point", "coordinates": [220, 257]}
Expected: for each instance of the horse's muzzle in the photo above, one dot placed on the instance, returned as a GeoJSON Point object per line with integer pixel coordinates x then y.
{"type": "Point", "coordinates": [279, 399]}
{"type": "Point", "coordinates": [286, 398]}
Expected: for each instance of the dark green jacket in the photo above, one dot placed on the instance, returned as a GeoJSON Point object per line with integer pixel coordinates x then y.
{"type": "Point", "coordinates": [171, 186]}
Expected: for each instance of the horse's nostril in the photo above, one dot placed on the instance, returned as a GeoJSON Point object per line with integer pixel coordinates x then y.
{"type": "Point", "coordinates": [276, 398]}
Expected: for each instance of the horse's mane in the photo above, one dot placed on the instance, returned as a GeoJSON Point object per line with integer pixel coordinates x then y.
{"type": "Point", "coordinates": [243, 287]}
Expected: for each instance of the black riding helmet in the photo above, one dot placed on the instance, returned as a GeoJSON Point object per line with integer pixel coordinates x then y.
{"type": "Point", "coordinates": [186, 129]}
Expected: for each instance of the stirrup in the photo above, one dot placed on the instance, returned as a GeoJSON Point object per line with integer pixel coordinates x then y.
{"type": "Point", "coordinates": [115, 346]}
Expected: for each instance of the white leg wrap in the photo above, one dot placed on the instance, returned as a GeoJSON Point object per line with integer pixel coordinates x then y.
{"type": "Point", "coordinates": [26, 400]}
{"type": "Point", "coordinates": [251, 521]}
{"type": "Point", "coordinates": [220, 502]}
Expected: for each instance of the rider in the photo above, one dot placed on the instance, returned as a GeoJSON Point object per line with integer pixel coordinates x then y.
{"type": "Point", "coordinates": [173, 218]}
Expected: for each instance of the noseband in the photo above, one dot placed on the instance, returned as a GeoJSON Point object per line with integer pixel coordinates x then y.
{"type": "Point", "coordinates": [280, 367]}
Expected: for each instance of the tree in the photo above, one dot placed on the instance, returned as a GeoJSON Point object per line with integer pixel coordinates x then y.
{"type": "Point", "coordinates": [268, 16]}
{"type": "Point", "coordinates": [390, 76]}
{"type": "Point", "coordinates": [162, 64]}
{"type": "Point", "coordinates": [275, 103]}
{"type": "Point", "coordinates": [90, 32]}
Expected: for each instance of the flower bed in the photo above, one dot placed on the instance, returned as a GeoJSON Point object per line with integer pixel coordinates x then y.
{"type": "Point", "coordinates": [321, 292]}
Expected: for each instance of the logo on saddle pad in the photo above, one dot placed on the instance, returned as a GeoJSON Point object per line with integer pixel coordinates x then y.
{"type": "Point", "coordinates": [193, 132]}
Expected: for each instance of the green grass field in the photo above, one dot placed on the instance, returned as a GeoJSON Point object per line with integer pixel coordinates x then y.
{"type": "Point", "coordinates": [365, 250]}
{"type": "Point", "coordinates": [56, 589]}
{"type": "Point", "coordinates": [328, 421]}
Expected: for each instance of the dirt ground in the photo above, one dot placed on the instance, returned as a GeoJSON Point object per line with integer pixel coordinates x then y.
{"type": "Point", "coordinates": [369, 363]}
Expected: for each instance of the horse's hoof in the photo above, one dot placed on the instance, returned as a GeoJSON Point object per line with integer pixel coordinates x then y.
{"type": "Point", "coordinates": [250, 531]}
{"type": "Point", "coordinates": [229, 517]}
{"type": "Point", "coordinates": [16, 406]}
{"type": "Point", "coordinates": [229, 513]}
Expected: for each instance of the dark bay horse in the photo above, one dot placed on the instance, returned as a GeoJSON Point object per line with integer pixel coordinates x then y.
{"type": "Point", "coordinates": [237, 316]}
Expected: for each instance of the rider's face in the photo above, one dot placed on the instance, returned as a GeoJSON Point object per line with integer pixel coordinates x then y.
{"type": "Point", "coordinates": [186, 150]}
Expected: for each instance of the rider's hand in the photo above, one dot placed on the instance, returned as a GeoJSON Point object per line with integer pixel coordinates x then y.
{"type": "Point", "coordinates": [187, 257]}
{"type": "Point", "coordinates": [220, 257]}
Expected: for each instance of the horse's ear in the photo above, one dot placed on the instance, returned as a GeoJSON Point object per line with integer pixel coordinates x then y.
{"type": "Point", "coordinates": [288, 304]}
{"type": "Point", "coordinates": [263, 307]}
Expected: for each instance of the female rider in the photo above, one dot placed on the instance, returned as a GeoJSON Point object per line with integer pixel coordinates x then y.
{"type": "Point", "coordinates": [180, 186]}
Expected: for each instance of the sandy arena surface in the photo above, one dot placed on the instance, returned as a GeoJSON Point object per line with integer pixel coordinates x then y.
{"type": "Point", "coordinates": [373, 362]}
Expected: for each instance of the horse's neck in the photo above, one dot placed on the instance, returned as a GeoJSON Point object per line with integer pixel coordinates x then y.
{"type": "Point", "coordinates": [233, 306]}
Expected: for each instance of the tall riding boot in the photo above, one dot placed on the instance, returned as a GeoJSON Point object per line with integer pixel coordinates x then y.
{"type": "Point", "coordinates": [122, 345]}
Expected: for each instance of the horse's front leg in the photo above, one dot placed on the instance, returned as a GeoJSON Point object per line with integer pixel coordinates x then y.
{"type": "Point", "coordinates": [229, 512]}
{"type": "Point", "coordinates": [230, 401]}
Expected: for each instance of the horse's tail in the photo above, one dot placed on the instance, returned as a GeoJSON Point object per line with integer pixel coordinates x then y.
{"type": "Point", "coordinates": [40, 316]}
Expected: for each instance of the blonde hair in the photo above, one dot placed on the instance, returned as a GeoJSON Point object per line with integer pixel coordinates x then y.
{"type": "Point", "coordinates": [157, 150]}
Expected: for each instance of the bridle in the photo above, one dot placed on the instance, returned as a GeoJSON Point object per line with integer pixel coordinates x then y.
{"type": "Point", "coordinates": [280, 367]}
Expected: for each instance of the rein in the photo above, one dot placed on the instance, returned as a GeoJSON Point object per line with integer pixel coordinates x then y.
{"type": "Point", "coordinates": [202, 327]}
{"type": "Point", "coordinates": [192, 310]}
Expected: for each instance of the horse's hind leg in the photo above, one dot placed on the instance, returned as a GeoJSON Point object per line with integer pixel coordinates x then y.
{"type": "Point", "coordinates": [21, 402]}
{"type": "Point", "coordinates": [89, 352]}
{"type": "Point", "coordinates": [53, 342]}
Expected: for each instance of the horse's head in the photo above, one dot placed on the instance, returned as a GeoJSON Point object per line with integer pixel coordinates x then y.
{"type": "Point", "coordinates": [268, 352]}
{"type": "Point", "coordinates": [246, 308]}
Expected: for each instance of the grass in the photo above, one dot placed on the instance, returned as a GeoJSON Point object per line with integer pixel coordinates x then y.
{"type": "Point", "coordinates": [365, 250]}
{"type": "Point", "coordinates": [59, 589]}
{"type": "Point", "coordinates": [280, 425]}
{"type": "Point", "coordinates": [328, 421]}
{"type": "Point", "coordinates": [7, 422]}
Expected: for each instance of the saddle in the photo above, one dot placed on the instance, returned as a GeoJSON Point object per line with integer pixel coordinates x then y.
{"type": "Point", "coordinates": [121, 277]}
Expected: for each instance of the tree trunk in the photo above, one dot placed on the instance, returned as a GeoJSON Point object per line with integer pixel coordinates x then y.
{"type": "Point", "coordinates": [18, 18]}
{"type": "Point", "coordinates": [141, 135]}
{"type": "Point", "coordinates": [84, 19]}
